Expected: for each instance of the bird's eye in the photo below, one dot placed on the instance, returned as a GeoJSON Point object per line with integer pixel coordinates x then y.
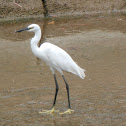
{"type": "Point", "coordinates": [31, 28]}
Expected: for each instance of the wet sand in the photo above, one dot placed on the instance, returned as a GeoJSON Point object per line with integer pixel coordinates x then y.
{"type": "Point", "coordinates": [27, 86]}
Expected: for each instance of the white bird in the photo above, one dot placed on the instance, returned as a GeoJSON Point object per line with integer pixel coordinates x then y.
{"type": "Point", "coordinates": [57, 59]}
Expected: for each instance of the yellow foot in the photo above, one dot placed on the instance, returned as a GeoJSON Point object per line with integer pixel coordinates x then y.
{"type": "Point", "coordinates": [69, 111]}
{"type": "Point", "coordinates": [49, 111]}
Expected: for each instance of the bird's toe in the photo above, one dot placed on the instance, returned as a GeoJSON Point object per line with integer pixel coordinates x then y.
{"type": "Point", "coordinates": [69, 111]}
{"type": "Point", "coordinates": [49, 111]}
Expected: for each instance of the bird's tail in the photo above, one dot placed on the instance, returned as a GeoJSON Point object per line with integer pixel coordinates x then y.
{"type": "Point", "coordinates": [81, 73]}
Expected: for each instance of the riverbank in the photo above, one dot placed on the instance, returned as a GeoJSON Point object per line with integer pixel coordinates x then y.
{"type": "Point", "coordinates": [30, 9]}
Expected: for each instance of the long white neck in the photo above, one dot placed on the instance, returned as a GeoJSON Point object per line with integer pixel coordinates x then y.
{"type": "Point", "coordinates": [34, 42]}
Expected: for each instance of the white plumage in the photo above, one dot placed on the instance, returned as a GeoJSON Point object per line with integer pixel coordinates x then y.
{"type": "Point", "coordinates": [55, 57]}
{"type": "Point", "coordinates": [58, 59]}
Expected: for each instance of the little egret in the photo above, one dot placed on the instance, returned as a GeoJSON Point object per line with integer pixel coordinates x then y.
{"type": "Point", "coordinates": [57, 59]}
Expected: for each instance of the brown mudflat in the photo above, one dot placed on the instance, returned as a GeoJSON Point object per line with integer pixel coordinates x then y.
{"type": "Point", "coordinates": [27, 86]}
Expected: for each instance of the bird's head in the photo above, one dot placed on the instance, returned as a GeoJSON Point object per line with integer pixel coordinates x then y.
{"type": "Point", "coordinates": [30, 28]}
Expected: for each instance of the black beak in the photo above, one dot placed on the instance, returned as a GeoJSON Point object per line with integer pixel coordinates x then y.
{"type": "Point", "coordinates": [25, 29]}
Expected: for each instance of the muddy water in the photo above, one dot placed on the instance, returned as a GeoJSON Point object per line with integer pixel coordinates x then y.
{"type": "Point", "coordinates": [27, 85]}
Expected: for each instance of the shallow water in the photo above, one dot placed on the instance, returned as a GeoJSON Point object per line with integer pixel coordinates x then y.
{"type": "Point", "coordinates": [27, 86]}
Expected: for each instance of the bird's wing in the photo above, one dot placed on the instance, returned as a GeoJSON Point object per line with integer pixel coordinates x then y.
{"type": "Point", "coordinates": [60, 59]}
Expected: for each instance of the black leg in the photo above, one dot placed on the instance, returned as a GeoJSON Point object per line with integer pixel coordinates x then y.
{"type": "Point", "coordinates": [67, 87]}
{"type": "Point", "coordinates": [57, 88]}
